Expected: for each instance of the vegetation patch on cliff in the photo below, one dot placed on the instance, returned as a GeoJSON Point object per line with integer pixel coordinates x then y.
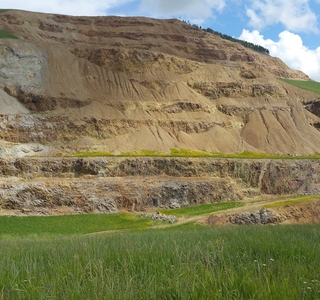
{"type": "Point", "coordinates": [312, 86]}
{"type": "Point", "coordinates": [194, 153]}
{"type": "Point", "coordinates": [6, 35]}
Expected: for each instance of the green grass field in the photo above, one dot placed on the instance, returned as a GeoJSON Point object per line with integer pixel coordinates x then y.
{"type": "Point", "coordinates": [312, 86]}
{"type": "Point", "coordinates": [184, 262]}
{"type": "Point", "coordinates": [66, 225]}
{"type": "Point", "coordinates": [50, 226]}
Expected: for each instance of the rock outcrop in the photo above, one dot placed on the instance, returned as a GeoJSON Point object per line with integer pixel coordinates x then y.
{"type": "Point", "coordinates": [287, 214]}
{"type": "Point", "coordinates": [74, 185]}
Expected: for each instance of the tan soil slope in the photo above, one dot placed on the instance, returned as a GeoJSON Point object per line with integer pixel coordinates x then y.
{"type": "Point", "coordinates": [124, 84]}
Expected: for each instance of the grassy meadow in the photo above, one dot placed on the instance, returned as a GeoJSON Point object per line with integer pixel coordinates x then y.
{"type": "Point", "coordinates": [177, 262]}
{"type": "Point", "coordinates": [312, 86]}
{"type": "Point", "coordinates": [52, 226]}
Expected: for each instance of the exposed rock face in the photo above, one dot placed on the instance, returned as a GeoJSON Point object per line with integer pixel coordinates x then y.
{"type": "Point", "coordinates": [24, 67]}
{"type": "Point", "coordinates": [133, 194]}
{"type": "Point", "coordinates": [291, 214]}
{"type": "Point", "coordinates": [124, 84]}
{"type": "Point", "coordinates": [112, 84]}
{"type": "Point", "coordinates": [263, 216]}
{"type": "Point", "coordinates": [35, 185]}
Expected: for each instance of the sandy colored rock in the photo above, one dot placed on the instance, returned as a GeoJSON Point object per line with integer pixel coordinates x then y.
{"type": "Point", "coordinates": [127, 84]}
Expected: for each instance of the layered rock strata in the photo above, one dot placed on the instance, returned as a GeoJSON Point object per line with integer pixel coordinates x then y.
{"type": "Point", "coordinates": [109, 184]}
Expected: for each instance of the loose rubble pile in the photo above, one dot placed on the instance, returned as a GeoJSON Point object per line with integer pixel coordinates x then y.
{"type": "Point", "coordinates": [160, 217]}
{"type": "Point", "coordinates": [263, 216]}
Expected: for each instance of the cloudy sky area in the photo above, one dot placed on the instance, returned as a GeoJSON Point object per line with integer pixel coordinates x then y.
{"type": "Point", "coordinates": [290, 29]}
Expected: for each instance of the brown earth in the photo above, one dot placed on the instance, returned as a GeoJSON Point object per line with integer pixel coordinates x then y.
{"type": "Point", "coordinates": [113, 84]}
{"type": "Point", "coordinates": [124, 84]}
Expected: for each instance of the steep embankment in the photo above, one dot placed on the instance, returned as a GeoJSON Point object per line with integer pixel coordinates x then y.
{"type": "Point", "coordinates": [52, 185]}
{"type": "Point", "coordinates": [124, 84]}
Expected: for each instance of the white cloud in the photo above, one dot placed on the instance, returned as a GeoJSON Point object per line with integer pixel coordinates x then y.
{"type": "Point", "coordinates": [290, 49]}
{"type": "Point", "coordinates": [194, 10]}
{"type": "Point", "coordinates": [295, 15]}
{"type": "Point", "coordinates": [69, 7]}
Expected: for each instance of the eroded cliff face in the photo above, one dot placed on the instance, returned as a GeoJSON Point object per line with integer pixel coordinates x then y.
{"type": "Point", "coordinates": [113, 84]}
{"type": "Point", "coordinates": [52, 185]}
{"type": "Point", "coordinates": [125, 84]}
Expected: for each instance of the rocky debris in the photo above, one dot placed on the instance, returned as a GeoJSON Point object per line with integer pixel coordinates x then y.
{"type": "Point", "coordinates": [263, 216]}
{"type": "Point", "coordinates": [312, 192]}
{"type": "Point", "coordinates": [160, 217]}
{"type": "Point", "coordinates": [288, 214]}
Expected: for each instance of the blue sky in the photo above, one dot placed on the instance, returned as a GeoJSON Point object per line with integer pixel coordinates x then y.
{"type": "Point", "coordinates": [290, 29]}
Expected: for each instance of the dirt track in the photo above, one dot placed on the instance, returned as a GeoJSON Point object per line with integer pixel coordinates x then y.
{"type": "Point", "coordinates": [301, 213]}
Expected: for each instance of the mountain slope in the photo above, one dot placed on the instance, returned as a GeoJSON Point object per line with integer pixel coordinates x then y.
{"type": "Point", "coordinates": [124, 84]}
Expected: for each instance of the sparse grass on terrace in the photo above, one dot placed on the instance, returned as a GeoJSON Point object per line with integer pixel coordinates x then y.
{"type": "Point", "coordinates": [92, 154]}
{"type": "Point", "coordinates": [203, 209]}
{"type": "Point", "coordinates": [292, 200]}
{"type": "Point", "coordinates": [312, 86]}
{"type": "Point", "coordinates": [193, 153]}
{"type": "Point", "coordinates": [6, 35]}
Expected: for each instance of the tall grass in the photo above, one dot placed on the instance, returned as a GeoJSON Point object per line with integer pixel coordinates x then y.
{"type": "Point", "coordinates": [189, 262]}
{"type": "Point", "coordinates": [42, 226]}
